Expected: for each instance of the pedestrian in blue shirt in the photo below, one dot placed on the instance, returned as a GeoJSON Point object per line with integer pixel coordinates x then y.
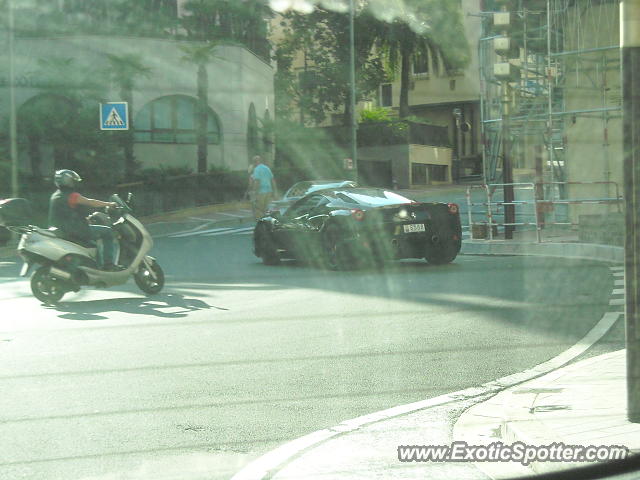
{"type": "Point", "coordinates": [264, 185]}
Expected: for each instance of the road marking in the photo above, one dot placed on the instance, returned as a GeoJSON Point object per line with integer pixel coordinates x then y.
{"type": "Point", "coordinates": [231, 215]}
{"type": "Point", "coordinates": [270, 463]}
{"type": "Point", "coordinates": [616, 269]}
{"type": "Point", "coordinates": [619, 283]}
{"type": "Point", "coordinates": [195, 229]}
{"type": "Point", "coordinates": [191, 234]}
{"type": "Point", "coordinates": [202, 219]}
{"type": "Point", "coordinates": [618, 274]}
{"type": "Point", "coordinates": [618, 291]}
{"type": "Point", "coordinates": [228, 232]}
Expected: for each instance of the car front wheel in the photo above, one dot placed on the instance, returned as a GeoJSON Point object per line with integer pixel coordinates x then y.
{"type": "Point", "coordinates": [265, 246]}
{"type": "Point", "coordinates": [335, 251]}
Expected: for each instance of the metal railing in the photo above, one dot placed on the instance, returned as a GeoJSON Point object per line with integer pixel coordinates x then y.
{"type": "Point", "coordinates": [541, 206]}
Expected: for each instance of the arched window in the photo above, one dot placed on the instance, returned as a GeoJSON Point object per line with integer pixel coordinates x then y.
{"type": "Point", "coordinates": [172, 119]}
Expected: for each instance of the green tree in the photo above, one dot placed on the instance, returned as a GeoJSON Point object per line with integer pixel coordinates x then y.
{"type": "Point", "coordinates": [157, 18]}
{"type": "Point", "coordinates": [242, 22]}
{"type": "Point", "coordinates": [63, 116]}
{"type": "Point", "coordinates": [200, 55]}
{"type": "Point", "coordinates": [323, 37]}
{"type": "Point", "coordinates": [124, 70]}
{"type": "Point", "coordinates": [434, 29]}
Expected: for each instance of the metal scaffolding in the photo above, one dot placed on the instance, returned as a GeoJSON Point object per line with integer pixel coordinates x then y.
{"type": "Point", "coordinates": [566, 54]}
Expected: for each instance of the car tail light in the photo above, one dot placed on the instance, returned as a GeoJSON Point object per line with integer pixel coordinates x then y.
{"type": "Point", "coordinates": [453, 208]}
{"type": "Point", "coordinates": [357, 214]}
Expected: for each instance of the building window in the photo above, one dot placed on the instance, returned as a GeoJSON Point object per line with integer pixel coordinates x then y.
{"type": "Point", "coordinates": [421, 63]}
{"type": "Point", "coordinates": [437, 173]}
{"type": "Point", "coordinates": [172, 119]}
{"type": "Point", "coordinates": [424, 174]}
{"type": "Point", "coordinates": [418, 174]}
{"type": "Point", "coordinates": [385, 95]}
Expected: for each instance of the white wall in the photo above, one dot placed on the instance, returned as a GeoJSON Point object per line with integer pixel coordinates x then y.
{"type": "Point", "coordinates": [236, 79]}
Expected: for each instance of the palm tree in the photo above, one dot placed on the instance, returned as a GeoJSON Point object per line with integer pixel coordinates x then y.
{"type": "Point", "coordinates": [124, 70]}
{"type": "Point", "coordinates": [200, 55]}
{"type": "Point", "coordinates": [47, 118]}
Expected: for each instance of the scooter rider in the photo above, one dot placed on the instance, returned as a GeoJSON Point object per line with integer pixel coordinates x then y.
{"type": "Point", "coordinates": [65, 215]}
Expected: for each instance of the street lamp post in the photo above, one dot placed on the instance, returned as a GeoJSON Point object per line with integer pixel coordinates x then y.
{"type": "Point", "coordinates": [630, 46]}
{"type": "Point", "coordinates": [13, 143]}
{"type": "Point", "coordinates": [352, 82]}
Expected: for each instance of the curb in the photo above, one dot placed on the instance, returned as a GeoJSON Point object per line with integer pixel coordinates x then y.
{"type": "Point", "coordinates": [519, 406]}
{"type": "Point", "coordinates": [586, 251]}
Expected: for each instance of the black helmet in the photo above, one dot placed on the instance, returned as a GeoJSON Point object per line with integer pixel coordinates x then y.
{"type": "Point", "coordinates": [66, 179]}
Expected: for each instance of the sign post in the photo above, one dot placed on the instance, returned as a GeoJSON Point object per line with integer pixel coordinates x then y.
{"type": "Point", "coordinates": [114, 116]}
{"type": "Point", "coordinates": [630, 46]}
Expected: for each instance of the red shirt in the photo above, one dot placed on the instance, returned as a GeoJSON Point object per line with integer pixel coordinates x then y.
{"type": "Point", "coordinates": [73, 198]}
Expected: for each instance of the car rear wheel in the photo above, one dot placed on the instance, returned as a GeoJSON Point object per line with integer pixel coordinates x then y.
{"type": "Point", "coordinates": [265, 246]}
{"type": "Point", "coordinates": [440, 253]}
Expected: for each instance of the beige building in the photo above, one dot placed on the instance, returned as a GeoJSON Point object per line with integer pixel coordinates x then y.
{"type": "Point", "coordinates": [163, 113]}
{"type": "Point", "coordinates": [433, 97]}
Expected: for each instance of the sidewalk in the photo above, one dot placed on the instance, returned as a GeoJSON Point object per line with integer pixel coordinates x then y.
{"type": "Point", "coordinates": [581, 404]}
{"type": "Point", "coordinates": [553, 244]}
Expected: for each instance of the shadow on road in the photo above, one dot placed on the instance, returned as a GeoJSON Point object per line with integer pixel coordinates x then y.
{"type": "Point", "coordinates": [556, 297]}
{"type": "Point", "coordinates": [168, 305]}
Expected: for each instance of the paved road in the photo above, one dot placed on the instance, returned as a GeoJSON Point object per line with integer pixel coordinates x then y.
{"type": "Point", "coordinates": [235, 358]}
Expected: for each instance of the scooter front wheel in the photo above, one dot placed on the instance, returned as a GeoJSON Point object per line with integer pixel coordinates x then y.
{"type": "Point", "coordinates": [145, 279]}
{"type": "Point", "coordinates": [49, 290]}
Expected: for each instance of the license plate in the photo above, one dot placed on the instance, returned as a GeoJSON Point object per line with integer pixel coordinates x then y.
{"type": "Point", "coordinates": [414, 227]}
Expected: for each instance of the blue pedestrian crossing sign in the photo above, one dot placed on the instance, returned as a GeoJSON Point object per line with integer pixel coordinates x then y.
{"type": "Point", "coordinates": [114, 116]}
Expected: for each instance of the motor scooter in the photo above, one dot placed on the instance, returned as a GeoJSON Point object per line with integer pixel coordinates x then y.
{"type": "Point", "coordinates": [65, 265]}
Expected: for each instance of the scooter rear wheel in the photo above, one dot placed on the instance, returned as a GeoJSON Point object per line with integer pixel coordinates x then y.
{"type": "Point", "coordinates": [49, 290]}
{"type": "Point", "coordinates": [145, 281]}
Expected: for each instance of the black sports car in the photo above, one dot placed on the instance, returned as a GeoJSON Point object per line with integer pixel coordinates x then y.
{"type": "Point", "coordinates": [300, 189]}
{"type": "Point", "coordinates": [346, 227]}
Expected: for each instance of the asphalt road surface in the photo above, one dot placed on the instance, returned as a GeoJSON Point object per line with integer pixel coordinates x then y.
{"type": "Point", "coordinates": [234, 358]}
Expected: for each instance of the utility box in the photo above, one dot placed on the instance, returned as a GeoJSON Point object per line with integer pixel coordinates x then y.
{"type": "Point", "coordinates": [506, 47]}
{"type": "Point", "coordinates": [502, 20]}
{"type": "Point", "coordinates": [506, 71]}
